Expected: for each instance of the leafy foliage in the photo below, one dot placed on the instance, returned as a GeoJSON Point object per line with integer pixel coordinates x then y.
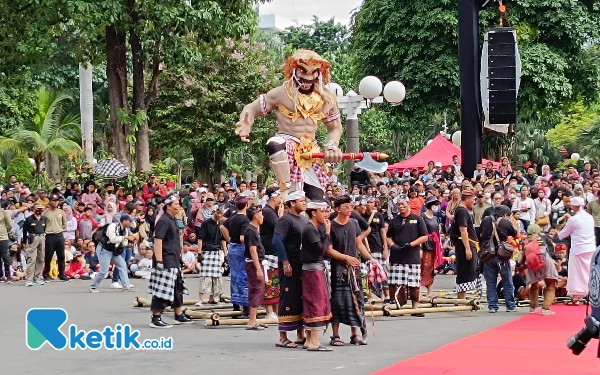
{"type": "Point", "coordinates": [417, 42]}
{"type": "Point", "coordinates": [589, 141]}
{"type": "Point", "coordinates": [578, 118]}
{"type": "Point", "coordinates": [199, 107]}
{"type": "Point", "coordinates": [51, 131]}
{"type": "Point", "coordinates": [532, 145]}
{"type": "Point", "coordinates": [21, 167]}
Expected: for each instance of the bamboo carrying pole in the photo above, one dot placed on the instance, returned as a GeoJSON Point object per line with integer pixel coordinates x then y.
{"type": "Point", "coordinates": [236, 322]}
{"type": "Point", "coordinates": [430, 310]}
{"type": "Point", "coordinates": [208, 314]}
{"type": "Point", "coordinates": [144, 302]}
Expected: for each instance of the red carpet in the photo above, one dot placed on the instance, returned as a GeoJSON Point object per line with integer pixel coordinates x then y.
{"type": "Point", "coordinates": [530, 345]}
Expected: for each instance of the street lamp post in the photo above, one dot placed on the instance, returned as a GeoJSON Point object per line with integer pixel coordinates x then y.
{"type": "Point", "coordinates": [352, 104]}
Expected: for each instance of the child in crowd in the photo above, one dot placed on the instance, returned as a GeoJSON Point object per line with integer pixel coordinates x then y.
{"type": "Point", "coordinates": [189, 261]}
{"type": "Point", "coordinates": [145, 266]}
{"type": "Point", "coordinates": [18, 262]}
{"type": "Point", "coordinates": [76, 269]}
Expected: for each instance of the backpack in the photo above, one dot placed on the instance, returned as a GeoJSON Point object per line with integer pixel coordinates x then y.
{"type": "Point", "coordinates": [535, 256]}
{"type": "Point", "coordinates": [99, 236]}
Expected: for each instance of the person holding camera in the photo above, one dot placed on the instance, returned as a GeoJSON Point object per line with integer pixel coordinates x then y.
{"type": "Point", "coordinates": [109, 248]}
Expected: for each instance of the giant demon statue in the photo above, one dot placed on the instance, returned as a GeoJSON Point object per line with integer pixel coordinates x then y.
{"type": "Point", "coordinates": [301, 103]}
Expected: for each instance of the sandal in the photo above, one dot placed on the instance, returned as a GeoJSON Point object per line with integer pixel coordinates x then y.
{"type": "Point", "coordinates": [263, 325]}
{"type": "Point", "coordinates": [320, 348]}
{"type": "Point", "coordinates": [286, 344]}
{"type": "Point", "coordinates": [256, 327]}
{"type": "Point", "coordinates": [356, 342]}
{"type": "Point", "coordinates": [336, 341]}
{"type": "Point", "coordinates": [300, 342]}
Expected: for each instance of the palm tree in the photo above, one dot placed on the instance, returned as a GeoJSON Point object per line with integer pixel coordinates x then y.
{"type": "Point", "coordinates": [51, 132]}
{"type": "Point", "coordinates": [532, 145]}
{"type": "Point", "coordinates": [177, 162]}
{"type": "Point", "coordinates": [589, 141]}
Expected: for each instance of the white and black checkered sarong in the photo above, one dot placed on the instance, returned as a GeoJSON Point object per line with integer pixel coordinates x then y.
{"type": "Point", "coordinates": [405, 274]}
{"type": "Point", "coordinates": [273, 261]}
{"type": "Point", "coordinates": [469, 286]}
{"type": "Point", "coordinates": [162, 283]}
{"type": "Point", "coordinates": [211, 264]}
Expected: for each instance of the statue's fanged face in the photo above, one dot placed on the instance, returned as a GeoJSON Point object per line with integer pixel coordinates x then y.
{"type": "Point", "coordinates": [306, 78]}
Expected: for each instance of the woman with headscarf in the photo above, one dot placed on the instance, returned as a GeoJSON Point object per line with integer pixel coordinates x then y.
{"type": "Point", "coordinates": [451, 207]}
{"type": "Point", "coordinates": [548, 274]}
{"type": "Point", "coordinates": [546, 174]}
{"type": "Point", "coordinates": [150, 219]}
{"type": "Point", "coordinates": [111, 210]}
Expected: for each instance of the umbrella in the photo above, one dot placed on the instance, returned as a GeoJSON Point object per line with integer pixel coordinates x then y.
{"type": "Point", "coordinates": [111, 168]}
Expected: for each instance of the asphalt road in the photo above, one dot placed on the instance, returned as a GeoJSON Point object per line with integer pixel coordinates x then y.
{"type": "Point", "coordinates": [222, 350]}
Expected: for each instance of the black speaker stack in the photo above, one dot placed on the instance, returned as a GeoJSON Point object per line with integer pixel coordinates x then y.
{"type": "Point", "coordinates": [502, 76]}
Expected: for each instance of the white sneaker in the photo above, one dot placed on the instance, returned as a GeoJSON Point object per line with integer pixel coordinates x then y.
{"type": "Point", "coordinates": [93, 290]}
{"type": "Point", "coordinates": [533, 310]}
{"type": "Point", "coordinates": [199, 304]}
{"type": "Point", "coordinates": [130, 288]}
{"type": "Point", "coordinates": [29, 283]}
{"type": "Point", "coordinates": [548, 312]}
{"type": "Point", "coordinates": [271, 315]}
{"type": "Point", "coordinates": [40, 282]}
{"type": "Point", "coordinates": [116, 285]}
{"type": "Point", "coordinates": [516, 309]}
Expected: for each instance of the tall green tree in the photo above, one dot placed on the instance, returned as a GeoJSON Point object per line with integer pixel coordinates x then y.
{"type": "Point", "coordinates": [138, 40]}
{"type": "Point", "coordinates": [416, 42]}
{"type": "Point", "coordinates": [50, 132]}
{"type": "Point", "coordinates": [589, 141]}
{"type": "Point", "coordinates": [199, 107]}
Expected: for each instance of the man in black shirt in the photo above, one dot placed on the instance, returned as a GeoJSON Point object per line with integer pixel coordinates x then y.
{"type": "Point", "coordinates": [496, 265]}
{"type": "Point", "coordinates": [316, 238]}
{"type": "Point", "coordinates": [211, 245]}
{"type": "Point", "coordinates": [166, 284]}
{"type": "Point", "coordinates": [467, 246]}
{"type": "Point", "coordinates": [267, 229]}
{"type": "Point", "coordinates": [233, 230]}
{"type": "Point", "coordinates": [347, 298]}
{"type": "Point", "coordinates": [377, 240]}
{"type": "Point", "coordinates": [287, 242]}
{"type": "Point", "coordinates": [254, 254]}
{"type": "Point", "coordinates": [34, 242]}
{"type": "Point", "coordinates": [405, 235]}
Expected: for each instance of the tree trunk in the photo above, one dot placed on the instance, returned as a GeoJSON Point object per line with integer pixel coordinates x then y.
{"type": "Point", "coordinates": [219, 165]}
{"type": "Point", "coordinates": [201, 165]}
{"type": "Point", "coordinates": [142, 140]}
{"type": "Point", "coordinates": [53, 167]}
{"type": "Point", "coordinates": [86, 104]}
{"type": "Point", "coordinates": [116, 73]}
{"type": "Point", "coordinates": [179, 173]}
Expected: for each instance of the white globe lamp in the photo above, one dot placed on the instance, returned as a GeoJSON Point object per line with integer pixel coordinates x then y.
{"type": "Point", "coordinates": [394, 92]}
{"type": "Point", "coordinates": [575, 156]}
{"type": "Point", "coordinates": [456, 138]}
{"type": "Point", "coordinates": [429, 142]}
{"type": "Point", "coordinates": [335, 89]}
{"type": "Point", "coordinates": [370, 87]}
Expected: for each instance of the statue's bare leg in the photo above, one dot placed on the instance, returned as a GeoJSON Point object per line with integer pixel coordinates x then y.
{"type": "Point", "coordinates": [276, 147]}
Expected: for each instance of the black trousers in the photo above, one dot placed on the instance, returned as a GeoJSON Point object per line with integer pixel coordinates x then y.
{"type": "Point", "coordinates": [159, 304]}
{"type": "Point", "coordinates": [597, 232]}
{"type": "Point", "coordinates": [55, 243]}
{"type": "Point", "coordinates": [4, 259]}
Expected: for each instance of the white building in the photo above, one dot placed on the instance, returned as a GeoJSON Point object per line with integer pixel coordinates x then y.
{"type": "Point", "coordinates": [273, 23]}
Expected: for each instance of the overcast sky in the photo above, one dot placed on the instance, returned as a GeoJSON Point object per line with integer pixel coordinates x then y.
{"type": "Point", "coordinates": [303, 10]}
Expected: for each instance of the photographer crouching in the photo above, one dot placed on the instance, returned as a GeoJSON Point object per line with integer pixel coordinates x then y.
{"type": "Point", "coordinates": [591, 329]}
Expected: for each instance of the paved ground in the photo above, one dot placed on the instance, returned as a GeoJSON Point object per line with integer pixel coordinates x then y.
{"type": "Point", "coordinates": [220, 350]}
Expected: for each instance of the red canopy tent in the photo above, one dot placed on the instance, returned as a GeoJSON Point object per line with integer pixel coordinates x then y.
{"type": "Point", "coordinates": [440, 149]}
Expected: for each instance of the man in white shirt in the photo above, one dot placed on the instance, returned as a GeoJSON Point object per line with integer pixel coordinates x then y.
{"type": "Point", "coordinates": [581, 229]}
{"type": "Point", "coordinates": [526, 206]}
